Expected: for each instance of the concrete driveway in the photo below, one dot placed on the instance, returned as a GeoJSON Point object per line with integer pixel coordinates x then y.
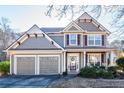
{"type": "Point", "coordinates": [27, 81]}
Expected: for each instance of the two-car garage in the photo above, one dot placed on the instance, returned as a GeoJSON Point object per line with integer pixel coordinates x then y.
{"type": "Point", "coordinates": [36, 64]}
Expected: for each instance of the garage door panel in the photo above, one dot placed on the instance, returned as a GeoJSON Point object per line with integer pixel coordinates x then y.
{"type": "Point", "coordinates": [48, 65]}
{"type": "Point", "coordinates": [25, 65]}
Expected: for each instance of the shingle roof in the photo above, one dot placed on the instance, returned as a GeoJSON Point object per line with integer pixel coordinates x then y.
{"type": "Point", "coordinates": [36, 43]}
{"type": "Point", "coordinates": [52, 29]}
{"type": "Point", "coordinates": [89, 27]}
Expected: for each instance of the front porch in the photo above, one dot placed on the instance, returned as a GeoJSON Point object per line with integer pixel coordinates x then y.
{"type": "Point", "coordinates": [74, 61]}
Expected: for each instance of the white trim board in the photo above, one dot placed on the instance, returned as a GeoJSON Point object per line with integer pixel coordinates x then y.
{"type": "Point", "coordinates": [70, 40]}
{"type": "Point", "coordinates": [94, 40]}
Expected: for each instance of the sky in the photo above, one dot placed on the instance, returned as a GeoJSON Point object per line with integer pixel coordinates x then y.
{"type": "Point", "coordinates": [23, 17]}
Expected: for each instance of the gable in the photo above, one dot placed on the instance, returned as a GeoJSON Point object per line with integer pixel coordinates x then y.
{"type": "Point", "coordinates": [36, 32]}
{"type": "Point", "coordinates": [88, 23]}
{"type": "Point", "coordinates": [34, 29]}
{"type": "Point", "coordinates": [73, 27]}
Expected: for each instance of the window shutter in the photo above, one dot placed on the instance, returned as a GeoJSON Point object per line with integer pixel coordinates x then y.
{"type": "Point", "coordinates": [86, 58]}
{"type": "Point", "coordinates": [85, 40]}
{"type": "Point", "coordinates": [102, 58]}
{"type": "Point", "coordinates": [78, 39]}
{"type": "Point", "coordinates": [67, 39]}
{"type": "Point", "coordinates": [103, 40]}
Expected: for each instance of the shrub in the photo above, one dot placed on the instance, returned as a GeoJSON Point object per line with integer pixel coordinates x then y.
{"type": "Point", "coordinates": [4, 67]}
{"type": "Point", "coordinates": [88, 72]}
{"type": "Point", "coordinates": [104, 74]}
{"type": "Point", "coordinates": [96, 72]}
{"type": "Point", "coordinates": [107, 75]}
{"type": "Point", "coordinates": [120, 62]}
{"type": "Point", "coordinates": [64, 73]}
{"type": "Point", "coordinates": [113, 69]}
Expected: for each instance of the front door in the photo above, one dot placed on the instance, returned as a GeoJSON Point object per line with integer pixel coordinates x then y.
{"type": "Point", "coordinates": [73, 63]}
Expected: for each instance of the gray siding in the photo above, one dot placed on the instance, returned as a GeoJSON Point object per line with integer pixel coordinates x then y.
{"type": "Point", "coordinates": [36, 43]}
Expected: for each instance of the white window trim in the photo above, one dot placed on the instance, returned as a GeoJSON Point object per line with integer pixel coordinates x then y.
{"type": "Point", "coordinates": [94, 54]}
{"type": "Point", "coordinates": [94, 40]}
{"type": "Point", "coordinates": [70, 40]}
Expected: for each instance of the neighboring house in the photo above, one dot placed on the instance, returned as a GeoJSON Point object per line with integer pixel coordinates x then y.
{"type": "Point", "coordinates": [50, 51]}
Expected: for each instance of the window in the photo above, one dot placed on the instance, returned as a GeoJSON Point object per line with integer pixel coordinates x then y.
{"type": "Point", "coordinates": [94, 40]}
{"type": "Point", "coordinates": [93, 59]}
{"type": "Point", "coordinates": [73, 39]}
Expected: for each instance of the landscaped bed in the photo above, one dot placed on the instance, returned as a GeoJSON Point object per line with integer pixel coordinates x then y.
{"type": "Point", "coordinates": [95, 77]}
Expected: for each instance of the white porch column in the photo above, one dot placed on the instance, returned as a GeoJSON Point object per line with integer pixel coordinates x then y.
{"type": "Point", "coordinates": [111, 58]}
{"type": "Point", "coordinates": [84, 58]}
{"type": "Point", "coordinates": [64, 62]}
{"type": "Point", "coordinates": [37, 69]}
{"type": "Point", "coordinates": [10, 64]}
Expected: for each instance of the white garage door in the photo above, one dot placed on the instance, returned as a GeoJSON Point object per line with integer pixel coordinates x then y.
{"type": "Point", "coordinates": [25, 65]}
{"type": "Point", "coordinates": [49, 64]}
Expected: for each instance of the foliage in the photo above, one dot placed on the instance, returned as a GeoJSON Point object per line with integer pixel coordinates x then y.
{"type": "Point", "coordinates": [120, 62]}
{"type": "Point", "coordinates": [6, 33]}
{"type": "Point", "coordinates": [65, 73]}
{"type": "Point", "coordinates": [96, 72]}
{"type": "Point", "coordinates": [113, 69]}
{"type": "Point", "coordinates": [4, 67]}
{"type": "Point", "coordinates": [88, 72]}
{"type": "Point", "coordinates": [102, 73]}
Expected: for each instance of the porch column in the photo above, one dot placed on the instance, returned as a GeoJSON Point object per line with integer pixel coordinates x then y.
{"type": "Point", "coordinates": [84, 58]}
{"type": "Point", "coordinates": [111, 58]}
{"type": "Point", "coordinates": [64, 62]}
{"type": "Point", "coordinates": [10, 64]}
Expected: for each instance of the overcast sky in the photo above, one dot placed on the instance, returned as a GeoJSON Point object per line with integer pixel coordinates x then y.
{"type": "Point", "coordinates": [23, 17]}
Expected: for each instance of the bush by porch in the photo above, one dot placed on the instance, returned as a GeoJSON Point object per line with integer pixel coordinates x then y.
{"type": "Point", "coordinates": [4, 68]}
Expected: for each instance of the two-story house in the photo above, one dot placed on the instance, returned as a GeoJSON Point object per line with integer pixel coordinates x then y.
{"type": "Point", "coordinates": [50, 51]}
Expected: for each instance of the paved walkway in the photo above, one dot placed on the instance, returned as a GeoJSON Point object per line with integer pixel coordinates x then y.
{"type": "Point", "coordinates": [26, 81]}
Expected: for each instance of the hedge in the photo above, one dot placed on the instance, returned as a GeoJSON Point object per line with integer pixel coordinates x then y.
{"type": "Point", "coordinates": [4, 67]}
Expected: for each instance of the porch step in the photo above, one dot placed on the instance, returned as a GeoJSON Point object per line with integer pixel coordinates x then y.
{"type": "Point", "coordinates": [73, 72]}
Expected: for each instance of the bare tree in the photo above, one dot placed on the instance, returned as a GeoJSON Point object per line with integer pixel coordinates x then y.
{"type": "Point", "coordinates": [117, 14]}
{"type": "Point", "coordinates": [97, 10]}
{"type": "Point", "coordinates": [6, 33]}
